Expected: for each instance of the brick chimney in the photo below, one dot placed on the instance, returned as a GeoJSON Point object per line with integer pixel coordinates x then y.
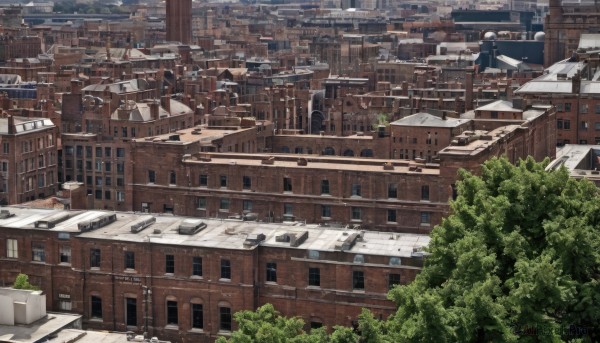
{"type": "Point", "coordinates": [154, 110]}
{"type": "Point", "coordinates": [469, 90]}
{"type": "Point", "coordinates": [165, 102]}
{"type": "Point", "coordinates": [11, 124]}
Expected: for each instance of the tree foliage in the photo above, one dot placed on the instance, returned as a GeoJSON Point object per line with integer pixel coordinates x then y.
{"type": "Point", "coordinates": [22, 282]}
{"type": "Point", "coordinates": [517, 260]}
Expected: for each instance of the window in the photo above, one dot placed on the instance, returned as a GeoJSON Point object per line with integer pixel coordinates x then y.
{"type": "Point", "coordinates": [246, 182]}
{"type": "Point", "coordinates": [356, 213]}
{"type": "Point", "coordinates": [120, 152]}
{"type": "Point", "coordinates": [151, 176]}
{"type": "Point", "coordinates": [12, 248]}
{"type": "Point", "coordinates": [559, 124]}
{"type": "Point", "coordinates": [224, 205]}
{"type": "Point", "coordinates": [393, 280]}
{"type": "Point", "coordinates": [203, 180]}
{"type": "Point", "coordinates": [392, 191]}
{"type": "Point", "coordinates": [120, 168]}
{"type": "Point", "coordinates": [225, 318]}
{"type": "Point", "coordinates": [172, 178]}
{"type": "Point", "coordinates": [64, 254]}
{"type": "Point", "coordinates": [98, 194]}
{"type": "Point", "coordinates": [107, 152]}
{"type": "Point", "coordinates": [5, 148]}
{"type": "Point", "coordinates": [129, 260]}
{"type": "Point", "coordinates": [131, 311]}
{"type": "Point", "coordinates": [567, 107]}
{"type": "Point", "coordinates": [425, 192]}
{"type": "Point", "coordinates": [96, 310]}
{"type": "Point", "coordinates": [358, 280]}
{"type": "Point", "coordinates": [287, 184]}
{"type": "Point", "coordinates": [324, 186]}
{"type": "Point", "coordinates": [583, 141]}
{"type": "Point", "coordinates": [425, 218]}
{"type": "Point", "coordinates": [288, 209]}
{"type": "Point", "coordinates": [584, 108]}
{"type": "Point", "coordinates": [391, 216]}
{"type": "Point", "coordinates": [169, 264]}
{"type": "Point", "coordinates": [201, 203]}
{"type": "Point", "coordinates": [197, 266]}
{"type": "Point", "coordinates": [315, 324]}
{"type": "Point", "coordinates": [225, 269]}
{"type": "Point", "coordinates": [197, 316]}
{"type": "Point", "coordinates": [597, 126]}
{"type": "Point", "coordinates": [597, 109]}
{"type": "Point", "coordinates": [567, 124]}
{"type": "Point", "coordinates": [107, 167]}
{"type": "Point", "coordinates": [120, 196]}
{"type": "Point", "coordinates": [584, 125]}
{"type": "Point", "coordinates": [247, 205]}
{"type": "Point", "coordinates": [325, 211]}
{"type": "Point", "coordinates": [65, 305]}
{"type": "Point", "coordinates": [559, 107]}
{"type": "Point", "coordinates": [314, 277]}
{"type": "Point", "coordinates": [223, 181]}
{"type": "Point", "coordinates": [271, 272]}
{"type": "Point", "coordinates": [95, 258]}
{"type": "Point", "coordinates": [172, 316]}
{"type": "Point", "coordinates": [356, 190]}
{"type": "Point", "coordinates": [38, 252]}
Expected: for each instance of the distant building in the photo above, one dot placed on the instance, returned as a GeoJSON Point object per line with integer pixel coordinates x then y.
{"type": "Point", "coordinates": [179, 21]}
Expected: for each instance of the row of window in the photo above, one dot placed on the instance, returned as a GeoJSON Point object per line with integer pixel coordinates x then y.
{"type": "Point", "coordinates": [29, 145]}
{"type": "Point", "coordinates": [171, 313]}
{"type": "Point", "coordinates": [99, 166]}
{"type": "Point", "coordinates": [89, 150]}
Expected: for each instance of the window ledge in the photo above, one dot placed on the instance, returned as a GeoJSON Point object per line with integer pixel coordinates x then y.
{"type": "Point", "coordinates": [94, 268]}
{"type": "Point", "coordinates": [358, 291]}
{"type": "Point", "coordinates": [425, 224]}
{"type": "Point", "coordinates": [313, 287]}
{"type": "Point", "coordinates": [196, 330]}
{"type": "Point", "coordinates": [273, 283]}
{"type": "Point", "coordinates": [201, 209]}
{"type": "Point", "coordinates": [224, 332]}
{"type": "Point", "coordinates": [325, 195]}
{"type": "Point", "coordinates": [66, 264]}
{"type": "Point", "coordinates": [356, 220]}
{"type": "Point", "coordinates": [96, 320]}
{"type": "Point", "coordinates": [130, 271]}
{"type": "Point", "coordinates": [326, 218]}
{"type": "Point", "coordinates": [392, 223]}
{"type": "Point", "coordinates": [169, 274]}
{"type": "Point", "coordinates": [197, 277]}
{"type": "Point", "coordinates": [171, 327]}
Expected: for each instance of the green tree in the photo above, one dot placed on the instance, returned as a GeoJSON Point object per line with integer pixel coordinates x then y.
{"type": "Point", "coordinates": [519, 252]}
{"type": "Point", "coordinates": [22, 282]}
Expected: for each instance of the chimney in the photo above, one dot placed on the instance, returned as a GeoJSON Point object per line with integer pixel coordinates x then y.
{"type": "Point", "coordinates": [11, 124]}
{"type": "Point", "coordinates": [154, 110]}
{"type": "Point", "coordinates": [404, 88]}
{"type": "Point", "coordinates": [576, 83]}
{"type": "Point", "coordinates": [75, 87]}
{"type": "Point", "coordinates": [469, 90]}
{"type": "Point", "coordinates": [443, 115]}
{"type": "Point", "coordinates": [165, 102]}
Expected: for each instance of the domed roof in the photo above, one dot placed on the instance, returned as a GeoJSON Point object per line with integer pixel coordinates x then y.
{"type": "Point", "coordinates": [539, 36]}
{"type": "Point", "coordinates": [490, 36]}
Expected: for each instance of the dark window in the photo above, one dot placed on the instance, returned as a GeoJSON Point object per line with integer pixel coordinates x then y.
{"type": "Point", "coordinates": [287, 184]}
{"type": "Point", "coordinates": [358, 280]}
{"type": "Point", "coordinates": [225, 316]}
{"type": "Point", "coordinates": [567, 124]}
{"type": "Point", "coordinates": [197, 316]}
{"type": "Point", "coordinates": [494, 115]}
{"type": "Point", "coordinates": [559, 124]}
{"type": "Point", "coordinates": [315, 325]}
{"type": "Point", "coordinates": [356, 190]}
{"type": "Point", "coordinates": [425, 217]}
{"type": "Point", "coordinates": [567, 107]}
{"type": "Point", "coordinates": [325, 211]}
{"type": "Point", "coordinates": [314, 277]}
{"type": "Point", "coordinates": [169, 264]}
{"type": "Point", "coordinates": [38, 252]}
{"type": "Point", "coordinates": [393, 280]}
{"type": "Point", "coordinates": [65, 254]}
{"type": "Point", "coordinates": [98, 151]}
{"type": "Point", "coordinates": [172, 316]}
{"type": "Point", "coordinates": [324, 186]}
{"type": "Point", "coordinates": [356, 213]}
{"type": "Point", "coordinates": [172, 178]}
{"type": "Point", "coordinates": [197, 266]}
{"type": "Point", "coordinates": [131, 308]}
{"type": "Point", "coordinates": [391, 216]}
{"type": "Point", "coordinates": [120, 152]}
{"type": "Point", "coordinates": [203, 180]}
{"type": "Point", "coordinates": [224, 204]}
{"type": "Point", "coordinates": [95, 258]}
{"type": "Point", "coordinates": [96, 307]}
{"type": "Point", "coordinates": [151, 176]}
{"type": "Point", "coordinates": [223, 181]}
{"type": "Point", "coordinates": [225, 269]}
{"type": "Point", "coordinates": [246, 182]}
{"type": "Point", "coordinates": [272, 272]}
{"type": "Point", "coordinates": [201, 203]}
{"type": "Point", "coordinates": [129, 260]}
{"type": "Point", "coordinates": [425, 192]}
{"type": "Point", "coordinates": [392, 191]}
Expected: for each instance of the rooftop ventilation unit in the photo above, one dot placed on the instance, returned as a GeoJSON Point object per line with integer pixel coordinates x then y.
{"type": "Point", "coordinates": [347, 243]}
{"type": "Point", "coordinates": [6, 214]}
{"type": "Point", "coordinates": [143, 223]}
{"type": "Point", "coordinates": [191, 227]}
{"type": "Point", "coordinates": [96, 223]}
{"type": "Point", "coordinates": [253, 240]}
{"type": "Point", "coordinates": [51, 221]}
{"type": "Point", "coordinates": [295, 239]}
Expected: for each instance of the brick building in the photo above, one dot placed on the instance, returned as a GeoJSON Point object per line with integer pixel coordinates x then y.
{"type": "Point", "coordinates": [181, 279]}
{"type": "Point", "coordinates": [179, 21]}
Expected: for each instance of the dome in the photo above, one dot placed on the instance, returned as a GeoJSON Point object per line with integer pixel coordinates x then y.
{"type": "Point", "coordinates": [490, 36]}
{"type": "Point", "coordinates": [539, 36]}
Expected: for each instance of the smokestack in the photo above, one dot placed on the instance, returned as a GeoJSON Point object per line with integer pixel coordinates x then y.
{"type": "Point", "coordinates": [469, 90]}
{"type": "Point", "coordinates": [154, 110]}
{"type": "Point", "coordinates": [165, 102]}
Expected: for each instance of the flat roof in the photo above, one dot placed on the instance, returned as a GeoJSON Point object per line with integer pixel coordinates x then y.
{"type": "Point", "coordinates": [38, 330]}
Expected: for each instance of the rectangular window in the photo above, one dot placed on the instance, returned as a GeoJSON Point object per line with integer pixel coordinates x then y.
{"type": "Point", "coordinates": [12, 248]}
{"type": "Point", "coordinates": [65, 305]}
{"type": "Point", "coordinates": [584, 125]}
{"type": "Point", "coordinates": [314, 277]}
{"type": "Point", "coordinates": [356, 213]}
{"type": "Point", "coordinates": [120, 196]}
{"type": "Point", "coordinates": [197, 266]}
{"type": "Point", "coordinates": [393, 280]}
{"type": "Point", "coordinates": [131, 311]}
{"type": "Point", "coordinates": [169, 264]}
{"type": "Point", "coordinates": [151, 176]}
{"type": "Point", "coordinates": [288, 209]}
{"type": "Point", "coordinates": [224, 205]}
{"type": "Point", "coordinates": [197, 316]}
{"type": "Point", "coordinates": [172, 315]}
{"type": "Point", "coordinates": [271, 272]}
{"type": "Point", "coordinates": [38, 253]}
{"type": "Point", "coordinates": [64, 254]}
{"type": "Point", "coordinates": [120, 152]}
{"type": "Point", "coordinates": [129, 260]}
{"type": "Point", "coordinates": [425, 192]}
{"type": "Point", "coordinates": [5, 148]}
{"type": "Point", "coordinates": [107, 152]}
{"type": "Point", "coordinates": [567, 107]}
{"type": "Point", "coordinates": [567, 124]}
{"type": "Point", "coordinates": [225, 318]}
{"type": "Point", "coordinates": [425, 217]}
{"type": "Point", "coordinates": [201, 203]}
{"type": "Point", "coordinates": [96, 307]}
{"type": "Point", "coordinates": [325, 211]}
{"type": "Point", "coordinates": [392, 191]}
{"type": "Point", "coordinates": [391, 216]}
{"type": "Point", "coordinates": [358, 280]}
{"type": "Point", "coordinates": [559, 124]}
{"type": "Point", "coordinates": [287, 184]}
{"type": "Point", "coordinates": [225, 269]}
{"type": "Point", "coordinates": [324, 186]}
{"type": "Point", "coordinates": [172, 178]}
{"type": "Point", "coordinates": [247, 205]}
{"type": "Point", "coordinates": [95, 258]}
{"type": "Point", "coordinates": [246, 182]}
{"type": "Point", "coordinates": [203, 180]}
{"type": "Point", "coordinates": [584, 108]}
{"type": "Point", "coordinates": [223, 181]}
{"type": "Point", "coordinates": [356, 191]}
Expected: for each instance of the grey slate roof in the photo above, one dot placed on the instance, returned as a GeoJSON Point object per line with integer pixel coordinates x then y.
{"type": "Point", "coordinates": [428, 120]}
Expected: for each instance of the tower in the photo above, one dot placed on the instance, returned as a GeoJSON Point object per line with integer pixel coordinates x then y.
{"type": "Point", "coordinates": [179, 21]}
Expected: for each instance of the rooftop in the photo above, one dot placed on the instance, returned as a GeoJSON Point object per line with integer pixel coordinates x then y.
{"type": "Point", "coordinates": [423, 119]}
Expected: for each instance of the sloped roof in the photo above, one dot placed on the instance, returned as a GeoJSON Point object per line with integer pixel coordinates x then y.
{"type": "Point", "coordinates": [428, 120]}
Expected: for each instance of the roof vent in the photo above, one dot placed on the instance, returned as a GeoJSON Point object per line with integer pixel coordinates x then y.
{"type": "Point", "coordinates": [6, 214]}
{"type": "Point", "coordinates": [388, 166]}
{"type": "Point", "coordinates": [51, 221]}
{"type": "Point", "coordinates": [346, 244]}
{"type": "Point", "coordinates": [96, 223]}
{"type": "Point", "coordinates": [191, 227]}
{"type": "Point", "coordinates": [268, 160]}
{"type": "Point", "coordinates": [249, 217]}
{"type": "Point", "coordinates": [253, 240]}
{"type": "Point", "coordinates": [302, 162]}
{"type": "Point", "coordinates": [143, 223]}
{"type": "Point", "coordinates": [295, 239]}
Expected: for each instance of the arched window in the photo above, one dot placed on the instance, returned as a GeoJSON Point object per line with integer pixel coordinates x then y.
{"type": "Point", "coordinates": [285, 149]}
{"type": "Point", "coordinates": [348, 152]}
{"type": "Point", "coordinates": [329, 151]}
{"type": "Point", "coordinates": [366, 153]}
